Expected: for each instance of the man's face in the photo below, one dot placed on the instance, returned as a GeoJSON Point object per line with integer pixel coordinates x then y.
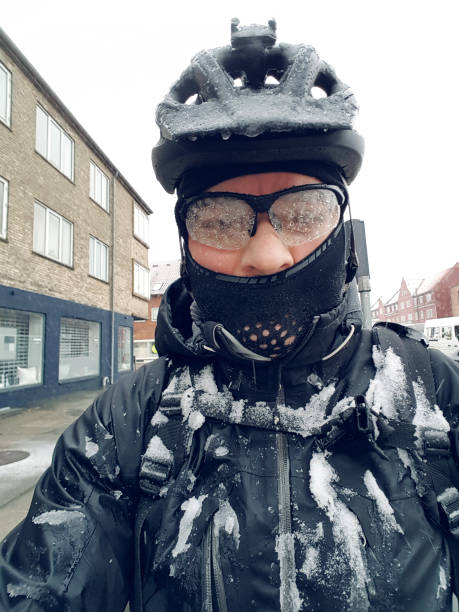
{"type": "Point", "coordinates": [264, 253]}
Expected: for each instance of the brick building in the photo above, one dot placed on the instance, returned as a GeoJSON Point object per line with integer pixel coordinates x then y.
{"type": "Point", "coordinates": [162, 274]}
{"type": "Point", "coordinates": [70, 224]}
{"type": "Point", "coordinates": [419, 300]}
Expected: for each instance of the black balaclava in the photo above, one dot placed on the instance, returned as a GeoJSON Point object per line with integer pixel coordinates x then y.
{"type": "Point", "coordinates": [270, 315]}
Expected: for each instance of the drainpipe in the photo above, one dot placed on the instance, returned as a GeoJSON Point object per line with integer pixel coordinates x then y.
{"type": "Point", "coordinates": [112, 279]}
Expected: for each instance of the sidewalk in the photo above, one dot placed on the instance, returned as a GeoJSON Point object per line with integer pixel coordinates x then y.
{"type": "Point", "coordinates": [33, 430]}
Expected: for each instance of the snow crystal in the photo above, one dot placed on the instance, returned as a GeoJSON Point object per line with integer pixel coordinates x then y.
{"type": "Point", "coordinates": [221, 451]}
{"type": "Point", "coordinates": [157, 451]}
{"type": "Point", "coordinates": [311, 562]}
{"type": "Point", "coordinates": [441, 581]}
{"type": "Point", "coordinates": [91, 447]}
{"type": "Point", "coordinates": [308, 538]}
{"type": "Point", "coordinates": [191, 510]}
{"type": "Point", "coordinates": [225, 518]}
{"type": "Point", "coordinates": [290, 600]}
{"type": "Point", "coordinates": [179, 382]}
{"type": "Point", "coordinates": [346, 528]}
{"type": "Point", "coordinates": [407, 461]}
{"type": "Point", "coordinates": [196, 420]}
{"type": "Point", "coordinates": [29, 590]}
{"type": "Point", "coordinates": [237, 410]}
{"type": "Point", "coordinates": [382, 503]}
{"type": "Point", "coordinates": [159, 418]}
{"type": "Point", "coordinates": [426, 415]}
{"type": "Point", "coordinates": [309, 419]}
{"type": "Point", "coordinates": [186, 403]}
{"type": "Point", "coordinates": [389, 384]}
{"type": "Point", "coordinates": [57, 517]}
{"type": "Point", "coordinates": [205, 381]}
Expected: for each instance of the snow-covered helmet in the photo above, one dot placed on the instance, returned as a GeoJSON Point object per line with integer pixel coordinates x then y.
{"type": "Point", "coordinates": [225, 109]}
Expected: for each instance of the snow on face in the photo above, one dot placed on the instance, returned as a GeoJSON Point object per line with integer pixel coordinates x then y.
{"type": "Point", "coordinates": [191, 510]}
{"type": "Point", "coordinates": [346, 528]}
{"type": "Point", "coordinates": [225, 518]}
{"type": "Point", "coordinates": [382, 503]}
{"type": "Point", "coordinates": [389, 384]}
{"type": "Point", "coordinates": [157, 451]}
{"type": "Point", "coordinates": [290, 600]}
{"type": "Point", "coordinates": [58, 517]}
{"type": "Point", "coordinates": [91, 447]}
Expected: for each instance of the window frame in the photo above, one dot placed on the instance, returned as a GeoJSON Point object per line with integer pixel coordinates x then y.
{"type": "Point", "coordinates": [135, 266]}
{"type": "Point", "coordinates": [4, 206]}
{"type": "Point", "coordinates": [96, 241]}
{"type": "Point", "coordinates": [52, 123]}
{"type": "Point", "coordinates": [48, 212]}
{"type": "Point", "coordinates": [7, 119]}
{"type": "Point", "coordinates": [93, 170]}
{"type": "Point", "coordinates": [139, 213]}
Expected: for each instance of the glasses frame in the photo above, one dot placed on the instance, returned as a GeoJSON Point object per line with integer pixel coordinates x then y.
{"type": "Point", "coordinates": [258, 203]}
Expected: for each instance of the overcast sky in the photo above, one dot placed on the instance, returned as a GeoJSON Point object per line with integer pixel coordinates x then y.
{"type": "Point", "coordinates": [111, 62]}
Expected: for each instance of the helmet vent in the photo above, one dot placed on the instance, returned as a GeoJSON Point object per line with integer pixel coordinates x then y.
{"type": "Point", "coordinates": [192, 99]}
{"type": "Point", "coordinates": [318, 92]}
{"type": "Point", "coordinates": [271, 80]}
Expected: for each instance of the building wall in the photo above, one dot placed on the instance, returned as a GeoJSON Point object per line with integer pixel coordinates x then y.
{"type": "Point", "coordinates": [31, 177]}
{"type": "Point", "coordinates": [454, 294]}
{"type": "Point", "coordinates": [145, 330]}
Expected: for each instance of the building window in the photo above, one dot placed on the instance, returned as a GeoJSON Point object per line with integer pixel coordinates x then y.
{"type": "Point", "coordinates": [421, 299]}
{"type": "Point", "coordinates": [21, 348]}
{"type": "Point", "coordinates": [429, 313]}
{"type": "Point", "coordinates": [408, 303]}
{"type": "Point", "coordinates": [98, 259]}
{"type": "Point", "coordinates": [415, 301]}
{"type": "Point", "coordinates": [428, 297]}
{"type": "Point", "coordinates": [402, 318]}
{"type": "Point", "coordinates": [5, 95]}
{"type": "Point", "coordinates": [422, 314]}
{"type": "Point", "coordinates": [52, 235]}
{"type": "Point", "coordinates": [53, 142]}
{"type": "Point", "coordinates": [124, 348]}
{"type": "Point", "coordinates": [154, 314]}
{"type": "Point", "coordinates": [410, 316]}
{"type": "Point", "coordinates": [79, 349]}
{"type": "Point", "coordinates": [141, 281]}
{"type": "Point", "coordinates": [416, 316]}
{"type": "Point", "coordinates": [144, 351]}
{"type": "Point", "coordinates": [98, 186]}
{"type": "Point", "coordinates": [3, 206]}
{"type": "Point", "coordinates": [141, 227]}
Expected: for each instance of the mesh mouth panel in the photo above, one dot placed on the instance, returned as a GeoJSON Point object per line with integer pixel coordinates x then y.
{"type": "Point", "coordinates": [271, 338]}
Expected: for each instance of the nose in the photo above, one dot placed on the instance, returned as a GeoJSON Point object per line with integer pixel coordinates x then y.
{"type": "Point", "coordinates": [265, 253]}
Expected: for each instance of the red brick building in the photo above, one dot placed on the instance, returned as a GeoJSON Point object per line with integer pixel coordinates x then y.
{"type": "Point", "coordinates": [162, 274]}
{"type": "Point", "coordinates": [418, 300]}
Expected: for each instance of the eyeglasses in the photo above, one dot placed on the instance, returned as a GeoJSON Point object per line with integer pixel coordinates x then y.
{"type": "Point", "coordinates": [226, 220]}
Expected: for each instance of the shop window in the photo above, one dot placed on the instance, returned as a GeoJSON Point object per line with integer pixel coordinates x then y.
{"type": "Point", "coordinates": [21, 348]}
{"type": "Point", "coordinates": [124, 348]}
{"type": "Point", "coordinates": [79, 349]}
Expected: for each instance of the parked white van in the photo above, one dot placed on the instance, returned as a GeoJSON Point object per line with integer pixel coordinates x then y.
{"type": "Point", "coordinates": [444, 335]}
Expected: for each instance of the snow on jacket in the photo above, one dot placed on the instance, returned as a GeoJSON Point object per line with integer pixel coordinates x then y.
{"type": "Point", "coordinates": [259, 517]}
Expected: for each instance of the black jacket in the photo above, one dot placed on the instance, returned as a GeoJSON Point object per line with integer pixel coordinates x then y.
{"type": "Point", "coordinates": [262, 515]}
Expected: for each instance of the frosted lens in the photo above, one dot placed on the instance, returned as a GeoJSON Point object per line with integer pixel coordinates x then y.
{"type": "Point", "coordinates": [222, 223]}
{"type": "Point", "coordinates": [304, 216]}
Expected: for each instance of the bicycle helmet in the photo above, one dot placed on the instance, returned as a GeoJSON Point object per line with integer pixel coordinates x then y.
{"type": "Point", "coordinates": [252, 102]}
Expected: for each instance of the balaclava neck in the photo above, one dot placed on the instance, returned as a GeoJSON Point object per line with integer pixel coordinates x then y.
{"type": "Point", "coordinates": [271, 315]}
